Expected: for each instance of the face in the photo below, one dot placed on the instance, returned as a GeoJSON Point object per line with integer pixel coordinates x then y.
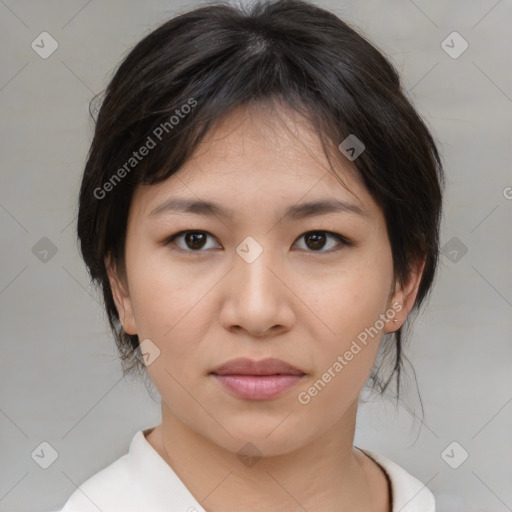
{"type": "Point", "coordinates": [260, 275]}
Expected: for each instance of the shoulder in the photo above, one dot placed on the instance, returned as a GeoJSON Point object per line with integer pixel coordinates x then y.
{"type": "Point", "coordinates": [409, 494]}
{"type": "Point", "coordinates": [114, 488]}
{"type": "Point", "coordinates": [108, 489]}
{"type": "Point", "coordinates": [139, 480]}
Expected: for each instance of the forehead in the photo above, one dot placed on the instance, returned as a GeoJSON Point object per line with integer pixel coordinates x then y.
{"type": "Point", "coordinates": [263, 156]}
{"type": "Point", "coordinates": [267, 138]}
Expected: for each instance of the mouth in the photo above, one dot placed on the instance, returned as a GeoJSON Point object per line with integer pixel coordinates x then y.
{"type": "Point", "coordinates": [257, 380]}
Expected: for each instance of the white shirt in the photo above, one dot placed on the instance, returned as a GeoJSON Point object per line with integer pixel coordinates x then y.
{"type": "Point", "coordinates": [141, 481]}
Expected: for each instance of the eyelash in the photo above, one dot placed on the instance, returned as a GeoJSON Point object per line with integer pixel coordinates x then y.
{"type": "Point", "coordinates": [344, 241]}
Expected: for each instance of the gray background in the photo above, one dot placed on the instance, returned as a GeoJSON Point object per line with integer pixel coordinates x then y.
{"type": "Point", "coordinates": [61, 381]}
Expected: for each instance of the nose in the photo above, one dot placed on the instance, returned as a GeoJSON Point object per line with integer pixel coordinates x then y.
{"type": "Point", "coordinates": [257, 298]}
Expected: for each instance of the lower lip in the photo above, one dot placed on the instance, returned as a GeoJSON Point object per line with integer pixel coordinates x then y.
{"type": "Point", "coordinates": [258, 387]}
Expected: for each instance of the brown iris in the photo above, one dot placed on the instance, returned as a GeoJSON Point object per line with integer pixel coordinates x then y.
{"type": "Point", "coordinates": [195, 240]}
{"type": "Point", "coordinates": [315, 240]}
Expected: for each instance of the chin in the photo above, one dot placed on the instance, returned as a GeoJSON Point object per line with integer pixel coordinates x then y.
{"type": "Point", "coordinates": [265, 438]}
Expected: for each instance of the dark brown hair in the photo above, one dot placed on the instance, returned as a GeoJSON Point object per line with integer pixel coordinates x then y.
{"type": "Point", "coordinates": [218, 57]}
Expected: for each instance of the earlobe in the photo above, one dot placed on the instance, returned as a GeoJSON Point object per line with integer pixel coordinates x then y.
{"type": "Point", "coordinates": [121, 296]}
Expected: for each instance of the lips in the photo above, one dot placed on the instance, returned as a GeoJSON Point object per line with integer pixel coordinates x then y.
{"type": "Point", "coordinates": [269, 366]}
{"type": "Point", "coordinates": [257, 380]}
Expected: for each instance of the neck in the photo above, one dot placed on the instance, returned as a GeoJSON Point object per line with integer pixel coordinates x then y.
{"type": "Point", "coordinates": [326, 473]}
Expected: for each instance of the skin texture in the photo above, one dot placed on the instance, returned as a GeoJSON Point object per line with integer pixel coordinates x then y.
{"type": "Point", "coordinates": [298, 301]}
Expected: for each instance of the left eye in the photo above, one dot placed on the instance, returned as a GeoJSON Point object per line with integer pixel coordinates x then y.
{"type": "Point", "coordinates": [316, 240]}
{"type": "Point", "coordinates": [195, 241]}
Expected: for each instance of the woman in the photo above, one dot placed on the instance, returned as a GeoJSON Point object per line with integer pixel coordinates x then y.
{"type": "Point", "coordinates": [261, 208]}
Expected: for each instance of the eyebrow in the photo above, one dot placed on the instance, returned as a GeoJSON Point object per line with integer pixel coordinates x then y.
{"type": "Point", "coordinates": [295, 212]}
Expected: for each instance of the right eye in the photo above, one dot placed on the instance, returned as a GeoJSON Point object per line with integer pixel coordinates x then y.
{"type": "Point", "coordinates": [192, 240]}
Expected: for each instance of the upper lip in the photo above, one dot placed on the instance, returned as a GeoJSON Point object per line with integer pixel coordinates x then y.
{"type": "Point", "coordinates": [245, 366]}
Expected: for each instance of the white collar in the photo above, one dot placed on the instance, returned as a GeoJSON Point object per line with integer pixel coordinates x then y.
{"type": "Point", "coordinates": [142, 480]}
{"type": "Point", "coordinates": [409, 494]}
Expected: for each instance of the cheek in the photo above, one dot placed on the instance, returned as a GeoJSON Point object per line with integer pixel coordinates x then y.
{"type": "Point", "coordinates": [345, 352]}
{"type": "Point", "coordinates": [163, 293]}
{"type": "Point", "coordinates": [348, 336]}
{"type": "Point", "coordinates": [351, 298]}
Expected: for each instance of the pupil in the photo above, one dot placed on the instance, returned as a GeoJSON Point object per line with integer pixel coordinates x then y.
{"type": "Point", "coordinates": [317, 240]}
{"type": "Point", "coordinates": [194, 240]}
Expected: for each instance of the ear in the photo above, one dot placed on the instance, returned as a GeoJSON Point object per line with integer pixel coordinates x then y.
{"type": "Point", "coordinates": [402, 297]}
{"type": "Point", "coordinates": [120, 293]}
